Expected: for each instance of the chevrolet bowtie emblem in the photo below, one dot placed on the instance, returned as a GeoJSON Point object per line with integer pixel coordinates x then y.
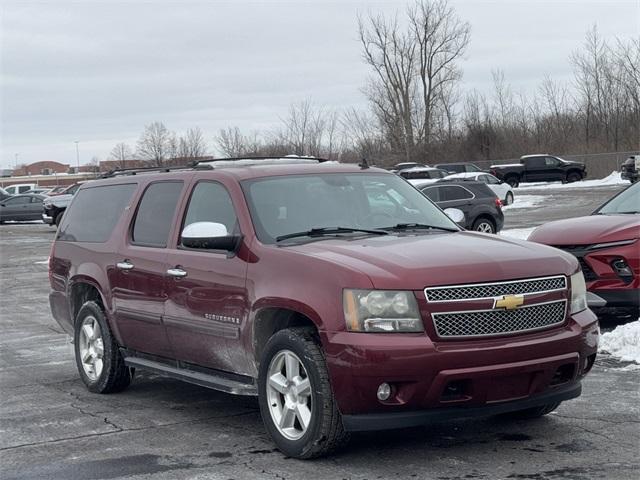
{"type": "Point", "coordinates": [508, 302]}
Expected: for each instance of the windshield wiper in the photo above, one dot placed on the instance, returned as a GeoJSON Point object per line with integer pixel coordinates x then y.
{"type": "Point", "coordinates": [319, 232]}
{"type": "Point", "coordinates": [419, 226]}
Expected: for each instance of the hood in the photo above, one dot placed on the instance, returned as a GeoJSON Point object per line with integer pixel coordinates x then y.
{"type": "Point", "coordinates": [588, 230]}
{"type": "Point", "coordinates": [59, 200]}
{"type": "Point", "coordinates": [571, 162]}
{"type": "Point", "coordinates": [412, 262]}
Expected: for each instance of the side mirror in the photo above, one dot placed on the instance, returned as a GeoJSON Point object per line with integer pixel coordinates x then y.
{"type": "Point", "coordinates": [455, 214]}
{"type": "Point", "coordinates": [209, 236]}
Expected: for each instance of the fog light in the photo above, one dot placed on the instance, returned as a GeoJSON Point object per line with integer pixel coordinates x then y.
{"type": "Point", "coordinates": [384, 391]}
{"type": "Point", "coordinates": [623, 270]}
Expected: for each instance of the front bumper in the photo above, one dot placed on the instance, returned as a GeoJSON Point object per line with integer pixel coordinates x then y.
{"type": "Point", "coordinates": [457, 377]}
{"type": "Point", "coordinates": [386, 421]}
{"type": "Point", "coordinates": [47, 219]}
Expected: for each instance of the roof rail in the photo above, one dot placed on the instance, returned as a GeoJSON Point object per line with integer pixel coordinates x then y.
{"type": "Point", "coordinates": [210, 164]}
{"type": "Point", "coordinates": [266, 158]}
{"type": "Point", "coordinates": [134, 171]}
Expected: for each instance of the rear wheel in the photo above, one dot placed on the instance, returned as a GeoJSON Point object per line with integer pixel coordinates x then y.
{"type": "Point", "coordinates": [508, 199]}
{"type": "Point", "coordinates": [295, 397]}
{"type": "Point", "coordinates": [484, 225]}
{"type": "Point", "coordinates": [513, 181]}
{"type": "Point", "coordinates": [98, 356]}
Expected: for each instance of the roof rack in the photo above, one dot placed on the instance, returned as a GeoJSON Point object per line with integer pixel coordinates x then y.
{"type": "Point", "coordinates": [218, 162]}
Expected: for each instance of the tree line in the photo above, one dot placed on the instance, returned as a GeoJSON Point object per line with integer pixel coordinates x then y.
{"type": "Point", "coordinates": [418, 111]}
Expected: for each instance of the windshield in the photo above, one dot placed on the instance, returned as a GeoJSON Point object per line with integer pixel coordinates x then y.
{"type": "Point", "coordinates": [284, 205]}
{"type": "Point", "coordinates": [628, 201]}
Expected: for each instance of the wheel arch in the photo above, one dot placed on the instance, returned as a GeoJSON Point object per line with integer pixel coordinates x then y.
{"type": "Point", "coordinates": [269, 319]}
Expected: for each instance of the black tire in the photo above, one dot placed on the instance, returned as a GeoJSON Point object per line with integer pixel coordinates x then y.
{"type": "Point", "coordinates": [513, 181]}
{"type": "Point", "coordinates": [59, 218]}
{"type": "Point", "coordinates": [325, 432]}
{"type": "Point", "coordinates": [532, 413]}
{"type": "Point", "coordinates": [484, 224]}
{"type": "Point", "coordinates": [115, 375]}
{"type": "Point", "coordinates": [574, 177]}
{"type": "Point", "coordinates": [508, 199]}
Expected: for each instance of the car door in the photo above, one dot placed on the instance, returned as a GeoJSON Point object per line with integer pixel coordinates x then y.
{"type": "Point", "coordinates": [15, 208]}
{"type": "Point", "coordinates": [207, 301]}
{"type": "Point", "coordinates": [535, 169]}
{"type": "Point", "coordinates": [553, 170]}
{"type": "Point", "coordinates": [456, 196]}
{"type": "Point", "coordinates": [141, 264]}
{"type": "Point", "coordinates": [34, 212]}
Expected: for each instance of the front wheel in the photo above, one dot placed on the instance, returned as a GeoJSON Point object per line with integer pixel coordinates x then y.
{"type": "Point", "coordinates": [574, 177]}
{"type": "Point", "coordinates": [58, 219]}
{"type": "Point", "coordinates": [508, 199]}
{"type": "Point", "coordinates": [295, 397]}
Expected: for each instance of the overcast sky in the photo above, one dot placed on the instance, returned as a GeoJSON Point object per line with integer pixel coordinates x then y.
{"type": "Point", "coordinates": [97, 72]}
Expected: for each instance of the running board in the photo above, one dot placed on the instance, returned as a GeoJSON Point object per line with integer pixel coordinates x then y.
{"type": "Point", "coordinates": [213, 381]}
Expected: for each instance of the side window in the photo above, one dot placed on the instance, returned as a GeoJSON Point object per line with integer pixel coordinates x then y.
{"type": "Point", "coordinates": [36, 200]}
{"type": "Point", "coordinates": [210, 202]}
{"type": "Point", "coordinates": [24, 188]}
{"type": "Point", "coordinates": [491, 180]}
{"type": "Point", "coordinates": [18, 201]}
{"type": "Point", "coordinates": [472, 168]}
{"type": "Point", "coordinates": [433, 193]}
{"type": "Point", "coordinates": [551, 162]}
{"type": "Point", "coordinates": [94, 212]}
{"type": "Point", "coordinates": [535, 162]}
{"type": "Point", "coordinates": [454, 192]}
{"type": "Point", "coordinates": [155, 214]}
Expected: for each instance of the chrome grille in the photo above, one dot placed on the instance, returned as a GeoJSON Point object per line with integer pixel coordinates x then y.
{"type": "Point", "coordinates": [485, 323]}
{"type": "Point", "coordinates": [490, 290]}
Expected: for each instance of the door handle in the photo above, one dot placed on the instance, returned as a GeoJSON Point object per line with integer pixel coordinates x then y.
{"type": "Point", "coordinates": [124, 265]}
{"type": "Point", "coordinates": [176, 272]}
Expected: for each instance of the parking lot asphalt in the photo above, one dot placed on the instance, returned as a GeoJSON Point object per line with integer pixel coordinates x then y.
{"type": "Point", "coordinates": [52, 428]}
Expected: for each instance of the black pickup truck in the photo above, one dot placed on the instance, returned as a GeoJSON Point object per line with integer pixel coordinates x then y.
{"type": "Point", "coordinates": [539, 168]}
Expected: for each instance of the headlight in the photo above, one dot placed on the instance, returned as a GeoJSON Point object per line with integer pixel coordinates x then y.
{"type": "Point", "coordinates": [578, 293]}
{"type": "Point", "coordinates": [381, 311]}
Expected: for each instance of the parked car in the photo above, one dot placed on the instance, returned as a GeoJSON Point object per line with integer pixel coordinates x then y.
{"type": "Point", "coordinates": [55, 205]}
{"type": "Point", "coordinates": [57, 190]}
{"type": "Point", "coordinates": [539, 168]}
{"type": "Point", "coordinates": [20, 188]}
{"type": "Point", "coordinates": [421, 173]}
{"type": "Point", "coordinates": [503, 190]}
{"type": "Point", "coordinates": [481, 207]}
{"type": "Point", "coordinates": [4, 194]}
{"type": "Point", "coordinates": [39, 190]}
{"type": "Point", "coordinates": [460, 167]}
{"type": "Point", "coordinates": [347, 317]}
{"type": "Point", "coordinates": [21, 208]}
{"type": "Point", "coordinates": [403, 166]}
{"type": "Point", "coordinates": [607, 245]}
{"type": "Point", "coordinates": [630, 169]}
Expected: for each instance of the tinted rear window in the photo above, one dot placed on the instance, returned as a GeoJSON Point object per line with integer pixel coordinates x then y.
{"type": "Point", "coordinates": [94, 213]}
{"type": "Point", "coordinates": [155, 214]}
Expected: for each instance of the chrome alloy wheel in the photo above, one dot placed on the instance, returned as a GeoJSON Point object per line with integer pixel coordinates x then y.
{"type": "Point", "coordinates": [91, 348]}
{"type": "Point", "coordinates": [289, 394]}
{"type": "Point", "coordinates": [484, 227]}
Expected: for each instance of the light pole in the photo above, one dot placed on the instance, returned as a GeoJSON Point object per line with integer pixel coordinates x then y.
{"type": "Point", "coordinates": [77, 156]}
{"type": "Point", "coordinates": [16, 155]}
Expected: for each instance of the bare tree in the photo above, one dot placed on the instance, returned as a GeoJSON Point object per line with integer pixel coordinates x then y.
{"type": "Point", "coordinates": [121, 153]}
{"type": "Point", "coordinates": [414, 71]}
{"type": "Point", "coordinates": [156, 144]}
{"type": "Point", "coordinates": [192, 144]}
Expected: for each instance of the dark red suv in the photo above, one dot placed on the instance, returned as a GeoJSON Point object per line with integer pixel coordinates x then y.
{"type": "Point", "coordinates": [338, 294]}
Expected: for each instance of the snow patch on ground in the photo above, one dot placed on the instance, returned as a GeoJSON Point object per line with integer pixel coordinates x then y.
{"type": "Point", "coordinates": [518, 233]}
{"type": "Point", "coordinates": [613, 178]}
{"type": "Point", "coordinates": [623, 342]}
{"type": "Point", "coordinates": [525, 201]}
